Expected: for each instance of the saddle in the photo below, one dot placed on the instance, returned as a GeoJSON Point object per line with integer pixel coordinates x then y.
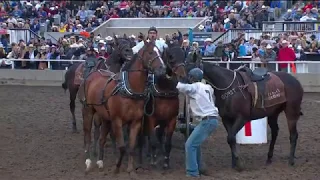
{"type": "Point", "coordinates": [258, 74]}
{"type": "Point", "coordinates": [78, 78]}
{"type": "Point", "coordinates": [266, 89]}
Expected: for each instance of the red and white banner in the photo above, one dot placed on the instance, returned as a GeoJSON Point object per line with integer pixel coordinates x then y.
{"type": "Point", "coordinates": [253, 132]}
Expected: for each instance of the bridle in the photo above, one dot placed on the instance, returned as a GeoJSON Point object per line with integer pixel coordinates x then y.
{"type": "Point", "coordinates": [149, 63]}
{"type": "Point", "coordinates": [175, 67]}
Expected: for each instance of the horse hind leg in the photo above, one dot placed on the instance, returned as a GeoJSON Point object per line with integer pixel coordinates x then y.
{"type": "Point", "coordinates": [118, 133]}
{"type": "Point", "coordinates": [292, 114]}
{"type": "Point", "coordinates": [134, 130]}
{"type": "Point", "coordinates": [87, 115]}
{"type": "Point", "coordinates": [105, 129]}
{"type": "Point", "coordinates": [273, 124]}
{"type": "Point", "coordinates": [72, 110]}
{"type": "Point", "coordinates": [97, 123]}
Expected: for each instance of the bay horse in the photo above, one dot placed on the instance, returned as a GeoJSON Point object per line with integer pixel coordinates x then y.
{"type": "Point", "coordinates": [122, 52]}
{"type": "Point", "coordinates": [236, 103]}
{"type": "Point", "coordinates": [164, 103]}
{"type": "Point", "coordinates": [119, 99]}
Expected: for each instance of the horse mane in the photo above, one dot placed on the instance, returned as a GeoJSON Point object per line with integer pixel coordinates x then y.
{"type": "Point", "coordinates": [127, 65]}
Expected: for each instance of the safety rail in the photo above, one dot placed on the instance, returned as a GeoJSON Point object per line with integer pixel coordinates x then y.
{"type": "Point", "coordinates": [300, 66]}
{"type": "Point", "coordinates": [290, 25]}
{"type": "Point", "coordinates": [233, 34]}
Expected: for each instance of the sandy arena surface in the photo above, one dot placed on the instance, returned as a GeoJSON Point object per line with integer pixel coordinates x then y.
{"type": "Point", "coordinates": [36, 143]}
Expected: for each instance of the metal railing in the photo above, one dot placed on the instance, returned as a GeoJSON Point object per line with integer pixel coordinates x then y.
{"type": "Point", "coordinates": [16, 35]}
{"type": "Point", "coordinates": [231, 34]}
{"type": "Point", "coordinates": [301, 66]}
{"type": "Point", "coordinates": [290, 25]}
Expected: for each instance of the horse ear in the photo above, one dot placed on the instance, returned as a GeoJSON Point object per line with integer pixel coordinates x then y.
{"type": "Point", "coordinates": [115, 38]}
{"type": "Point", "coordinates": [125, 36]}
{"type": "Point", "coordinates": [143, 36]}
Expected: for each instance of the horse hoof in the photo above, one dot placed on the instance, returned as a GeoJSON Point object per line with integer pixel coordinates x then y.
{"type": "Point", "coordinates": [239, 165]}
{"type": "Point", "coordinates": [268, 162]}
{"type": "Point", "coordinates": [133, 175]}
{"type": "Point", "coordinates": [88, 165]}
{"type": "Point", "coordinates": [291, 162]}
{"type": "Point", "coordinates": [116, 170]}
{"type": "Point", "coordinates": [75, 131]}
{"type": "Point", "coordinates": [100, 164]}
{"type": "Point", "coordinates": [165, 166]}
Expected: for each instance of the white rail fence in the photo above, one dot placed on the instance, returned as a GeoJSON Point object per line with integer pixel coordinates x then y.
{"type": "Point", "coordinates": [301, 66]}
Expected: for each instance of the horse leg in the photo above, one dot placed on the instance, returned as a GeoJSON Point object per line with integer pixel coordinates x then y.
{"type": "Point", "coordinates": [152, 140]}
{"type": "Point", "coordinates": [97, 124]}
{"type": "Point", "coordinates": [273, 124]}
{"type": "Point", "coordinates": [105, 129]}
{"type": "Point", "coordinates": [141, 140]}
{"type": "Point", "coordinates": [159, 133]}
{"type": "Point", "coordinates": [134, 130]}
{"type": "Point", "coordinates": [233, 129]}
{"type": "Point", "coordinates": [292, 115]}
{"type": "Point", "coordinates": [170, 129]}
{"type": "Point", "coordinates": [113, 141]}
{"type": "Point", "coordinates": [72, 105]}
{"type": "Point", "coordinates": [118, 133]}
{"type": "Point", "coordinates": [87, 115]}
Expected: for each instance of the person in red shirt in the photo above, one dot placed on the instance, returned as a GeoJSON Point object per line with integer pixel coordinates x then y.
{"type": "Point", "coordinates": [103, 53]}
{"type": "Point", "coordinates": [307, 6]}
{"type": "Point", "coordinates": [114, 14]}
{"type": "Point", "coordinates": [285, 54]}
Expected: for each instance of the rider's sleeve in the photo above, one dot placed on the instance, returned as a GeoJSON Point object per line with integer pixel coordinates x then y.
{"type": "Point", "coordinates": [188, 89]}
{"type": "Point", "coordinates": [165, 45]}
{"type": "Point", "coordinates": [136, 48]}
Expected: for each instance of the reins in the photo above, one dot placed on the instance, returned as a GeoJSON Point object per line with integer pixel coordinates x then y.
{"type": "Point", "coordinates": [222, 89]}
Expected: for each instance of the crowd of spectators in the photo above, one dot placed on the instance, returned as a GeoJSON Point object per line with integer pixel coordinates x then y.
{"type": "Point", "coordinates": [224, 15]}
{"type": "Point", "coordinates": [283, 47]}
{"type": "Point", "coordinates": [303, 11]}
{"type": "Point", "coordinates": [75, 16]}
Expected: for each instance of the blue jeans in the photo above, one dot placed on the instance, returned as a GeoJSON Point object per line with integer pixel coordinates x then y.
{"type": "Point", "coordinates": [192, 147]}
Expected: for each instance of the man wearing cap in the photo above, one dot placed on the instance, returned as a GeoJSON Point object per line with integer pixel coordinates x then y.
{"type": "Point", "coordinates": [285, 54]}
{"type": "Point", "coordinates": [209, 47]}
{"type": "Point", "coordinates": [269, 55]}
{"type": "Point", "coordinates": [91, 61]}
{"type": "Point", "coordinates": [202, 104]}
{"type": "Point", "coordinates": [152, 35]}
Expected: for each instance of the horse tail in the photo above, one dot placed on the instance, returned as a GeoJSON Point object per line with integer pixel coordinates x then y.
{"type": "Point", "coordinates": [64, 84]}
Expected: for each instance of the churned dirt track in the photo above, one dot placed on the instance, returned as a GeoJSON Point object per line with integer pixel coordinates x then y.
{"type": "Point", "coordinates": [36, 143]}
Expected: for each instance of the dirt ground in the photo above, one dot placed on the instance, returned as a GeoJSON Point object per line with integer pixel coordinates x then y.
{"type": "Point", "coordinates": [36, 143]}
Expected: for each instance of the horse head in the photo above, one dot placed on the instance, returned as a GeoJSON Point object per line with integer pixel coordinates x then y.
{"type": "Point", "coordinates": [122, 48]}
{"type": "Point", "coordinates": [174, 58]}
{"type": "Point", "coordinates": [151, 58]}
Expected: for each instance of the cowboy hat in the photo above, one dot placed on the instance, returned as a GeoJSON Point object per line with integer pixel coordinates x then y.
{"type": "Point", "coordinates": [284, 42]}
{"type": "Point", "coordinates": [201, 27]}
{"type": "Point", "coordinates": [269, 46]}
{"type": "Point", "coordinates": [208, 40]}
{"type": "Point", "coordinates": [109, 38]}
{"type": "Point", "coordinates": [132, 36]}
{"type": "Point", "coordinates": [226, 20]}
{"type": "Point", "coordinates": [102, 41]}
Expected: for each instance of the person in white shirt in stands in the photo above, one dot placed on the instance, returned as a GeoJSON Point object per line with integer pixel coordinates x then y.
{"type": "Point", "coordinates": [202, 106]}
{"type": "Point", "coordinates": [152, 35]}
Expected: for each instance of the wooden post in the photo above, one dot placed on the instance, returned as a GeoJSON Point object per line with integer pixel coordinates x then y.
{"type": "Point", "coordinates": [187, 116]}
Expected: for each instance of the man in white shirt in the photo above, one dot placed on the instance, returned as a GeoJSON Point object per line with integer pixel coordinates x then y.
{"type": "Point", "coordinates": [152, 35]}
{"type": "Point", "coordinates": [202, 105]}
